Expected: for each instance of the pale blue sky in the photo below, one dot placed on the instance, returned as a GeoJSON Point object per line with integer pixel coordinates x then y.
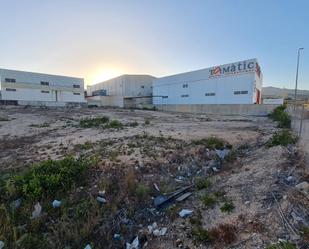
{"type": "Point", "coordinates": [98, 39]}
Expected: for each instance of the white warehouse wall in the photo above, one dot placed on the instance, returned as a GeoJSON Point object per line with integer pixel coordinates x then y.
{"type": "Point", "coordinates": [28, 87]}
{"type": "Point", "coordinates": [219, 83]}
{"type": "Point", "coordinates": [125, 85]}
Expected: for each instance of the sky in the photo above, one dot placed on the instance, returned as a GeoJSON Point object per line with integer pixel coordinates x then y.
{"type": "Point", "coordinates": [98, 39]}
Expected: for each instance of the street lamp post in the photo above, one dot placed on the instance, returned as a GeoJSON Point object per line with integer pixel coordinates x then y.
{"type": "Point", "coordinates": [295, 94]}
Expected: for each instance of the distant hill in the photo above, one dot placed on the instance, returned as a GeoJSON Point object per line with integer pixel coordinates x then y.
{"type": "Point", "coordinates": [270, 91]}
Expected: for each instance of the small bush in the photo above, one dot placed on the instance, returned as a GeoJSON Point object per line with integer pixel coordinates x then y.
{"type": "Point", "coordinates": [224, 233]}
{"type": "Point", "coordinates": [200, 234]}
{"type": "Point", "coordinates": [114, 124]}
{"type": "Point", "coordinates": [93, 122]}
{"type": "Point", "coordinates": [142, 191]}
{"type": "Point", "coordinates": [282, 245]}
{"type": "Point", "coordinates": [133, 124]}
{"type": "Point", "coordinates": [3, 119]}
{"type": "Point", "coordinates": [201, 183]}
{"type": "Point", "coordinates": [281, 116]}
{"type": "Point", "coordinates": [147, 122]}
{"type": "Point", "coordinates": [283, 138]}
{"type": "Point", "coordinates": [227, 207]}
{"type": "Point", "coordinates": [209, 200]}
{"type": "Point", "coordinates": [50, 178]}
{"type": "Point", "coordinates": [305, 233]}
{"type": "Point", "coordinates": [211, 143]}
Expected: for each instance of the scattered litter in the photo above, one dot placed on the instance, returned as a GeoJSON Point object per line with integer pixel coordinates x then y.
{"type": "Point", "coordinates": [222, 153]}
{"type": "Point", "coordinates": [134, 244]}
{"type": "Point", "coordinates": [117, 236]}
{"type": "Point", "coordinates": [185, 212]}
{"type": "Point", "coordinates": [156, 187]}
{"type": "Point", "coordinates": [215, 169]}
{"type": "Point", "coordinates": [101, 199]}
{"type": "Point", "coordinates": [56, 204]}
{"type": "Point", "coordinates": [1, 244]}
{"type": "Point", "coordinates": [247, 202]}
{"type": "Point", "coordinates": [183, 197]}
{"type": "Point", "coordinates": [101, 193]}
{"type": "Point", "coordinates": [87, 247]}
{"type": "Point", "coordinates": [152, 227]}
{"type": "Point", "coordinates": [37, 211]}
{"type": "Point", "coordinates": [16, 204]}
{"type": "Point", "coordinates": [290, 178]}
{"type": "Point", "coordinates": [160, 232]}
{"type": "Point", "coordinates": [163, 201]}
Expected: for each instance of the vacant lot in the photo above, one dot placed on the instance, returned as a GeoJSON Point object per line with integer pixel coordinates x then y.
{"type": "Point", "coordinates": [243, 187]}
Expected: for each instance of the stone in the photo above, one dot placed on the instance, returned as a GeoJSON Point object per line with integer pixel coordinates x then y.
{"type": "Point", "coordinates": [304, 186]}
{"type": "Point", "coordinates": [101, 199]}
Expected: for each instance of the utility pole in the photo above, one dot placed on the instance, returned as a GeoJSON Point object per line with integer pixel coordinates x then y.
{"type": "Point", "coordinates": [295, 94]}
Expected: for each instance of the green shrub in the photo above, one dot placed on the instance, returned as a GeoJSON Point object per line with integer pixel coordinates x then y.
{"type": "Point", "coordinates": [209, 200]}
{"type": "Point", "coordinates": [201, 183]}
{"type": "Point", "coordinates": [50, 178]}
{"type": "Point", "coordinates": [147, 122]}
{"type": "Point", "coordinates": [227, 207]}
{"type": "Point", "coordinates": [200, 234]}
{"type": "Point", "coordinates": [133, 124]}
{"type": "Point", "coordinates": [283, 138]}
{"type": "Point", "coordinates": [281, 116]}
{"type": "Point", "coordinates": [93, 122]}
{"type": "Point", "coordinates": [212, 143]}
{"type": "Point", "coordinates": [114, 124]}
{"type": "Point", "coordinates": [142, 191]}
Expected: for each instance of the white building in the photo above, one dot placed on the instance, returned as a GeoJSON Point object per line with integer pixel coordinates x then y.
{"type": "Point", "coordinates": [27, 88]}
{"type": "Point", "coordinates": [122, 91]}
{"type": "Point", "coordinates": [235, 83]}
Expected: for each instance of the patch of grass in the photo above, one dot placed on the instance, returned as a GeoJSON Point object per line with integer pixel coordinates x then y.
{"type": "Point", "coordinates": [224, 233]}
{"type": "Point", "coordinates": [114, 124]}
{"type": "Point", "coordinates": [305, 233]}
{"type": "Point", "coordinates": [283, 138]}
{"type": "Point", "coordinates": [201, 183]}
{"type": "Point", "coordinates": [280, 115]}
{"type": "Point", "coordinates": [93, 122]}
{"type": "Point", "coordinates": [227, 207]}
{"type": "Point", "coordinates": [86, 146]}
{"type": "Point", "coordinates": [142, 191]}
{"type": "Point", "coordinates": [3, 119]}
{"type": "Point", "coordinates": [282, 245]}
{"type": "Point", "coordinates": [200, 234]}
{"type": "Point", "coordinates": [49, 178]}
{"type": "Point", "coordinates": [147, 122]}
{"type": "Point", "coordinates": [209, 200]}
{"type": "Point", "coordinates": [212, 143]}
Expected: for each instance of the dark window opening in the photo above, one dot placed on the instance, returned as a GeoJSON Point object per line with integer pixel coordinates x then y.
{"type": "Point", "coordinates": [76, 86]}
{"type": "Point", "coordinates": [10, 80]}
{"type": "Point", "coordinates": [210, 94]}
{"type": "Point", "coordinates": [185, 85]}
{"type": "Point", "coordinates": [44, 91]}
{"type": "Point", "coordinates": [76, 93]}
{"type": "Point", "coordinates": [185, 95]}
{"type": "Point", "coordinates": [44, 83]}
{"type": "Point", "coordinates": [142, 86]}
{"type": "Point", "coordinates": [10, 90]}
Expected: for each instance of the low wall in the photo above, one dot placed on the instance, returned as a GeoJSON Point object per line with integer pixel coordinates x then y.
{"type": "Point", "coordinates": [242, 109]}
{"type": "Point", "coordinates": [116, 101]}
{"type": "Point", "coordinates": [51, 103]}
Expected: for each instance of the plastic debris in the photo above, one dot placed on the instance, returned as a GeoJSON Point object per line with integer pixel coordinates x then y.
{"type": "Point", "coordinates": [16, 204]}
{"type": "Point", "coordinates": [37, 211]}
{"type": "Point", "coordinates": [183, 197]}
{"type": "Point", "coordinates": [222, 153]}
{"type": "Point", "coordinates": [134, 244]}
{"type": "Point", "coordinates": [163, 201]}
{"type": "Point", "coordinates": [160, 232]}
{"type": "Point", "coordinates": [1, 244]}
{"type": "Point", "coordinates": [56, 204]}
{"type": "Point", "coordinates": [152, 227]}
{"type": "Point", "coordinates": [185, 212]}
{"type": "Point", "coordinates": [87, 247]}
{"type": "Point", "coordinates": [101, 193]}
{"type": "Point", "coordinates": [117, 236]}
{"type": "Point", "coordinates": [101, 199]}
{"type": "Point", "coordinates": [156, 187]}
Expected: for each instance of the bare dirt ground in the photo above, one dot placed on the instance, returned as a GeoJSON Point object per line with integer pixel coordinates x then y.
{"type": "Point", "coordinates": [165, 150]}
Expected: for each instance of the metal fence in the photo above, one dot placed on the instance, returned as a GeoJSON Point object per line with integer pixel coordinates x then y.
{"type": "Point", "coordinates": [300, 122]}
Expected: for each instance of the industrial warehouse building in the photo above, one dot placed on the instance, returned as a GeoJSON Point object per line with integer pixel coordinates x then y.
{"type": "Point", "coordinates": [122, 91]}
{"type": "Point", "coordinates": [235, 83]}
{"type": "Point", "coordinates": [27, 88]}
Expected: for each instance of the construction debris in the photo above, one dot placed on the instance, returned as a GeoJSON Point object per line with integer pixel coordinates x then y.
{"type": "Point", "coordinates": [37, 211]}
{"type": "Point", "coordinates": [134, 244]}
{"type": "Point", "coordinates": [185, 213]}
